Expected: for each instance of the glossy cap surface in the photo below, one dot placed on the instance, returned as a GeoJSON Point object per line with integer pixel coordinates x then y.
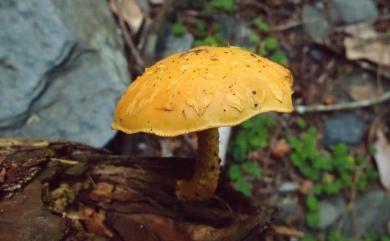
{"type": "Point", "coordinates": [202, 88]}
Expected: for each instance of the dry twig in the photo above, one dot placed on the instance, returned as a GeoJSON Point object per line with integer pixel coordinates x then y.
{"type": "Point", "coordinates": [137, 56]}
{"type": "Point", "coordinates": [286, 231]}
{"type": "Point", "coordinates": [301, 109]}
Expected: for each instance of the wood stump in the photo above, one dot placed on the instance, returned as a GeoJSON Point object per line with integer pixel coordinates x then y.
{"type": "Point", "coordinates": [64, 191]}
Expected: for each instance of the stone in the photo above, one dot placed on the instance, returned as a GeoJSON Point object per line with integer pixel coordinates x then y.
{"type": "Point", "coordinates": [344, 127]}
{"type": "Point", "coordinates": [372, 214]}
{"type": "Point", "coordinates": [288, 187]}
{"type": "Point", "coordinates": [315, 23]}
{"type": "Point", "coordinates": [289, 210]}
{"type": "Point", "coordinates": [228, 23]}
{"type": "Point", "coordinates": [242, 33]}
{"type": "Point", "coordinates": [330, 211]}
{"type": "Point", "coordinates": [176, 44]}
{"type": "Point", "coordinates": [315, 54]}
{"type": "Point", "coordinates": [355, 11]}
{"type": "Point", "coordinates": [62, 69]}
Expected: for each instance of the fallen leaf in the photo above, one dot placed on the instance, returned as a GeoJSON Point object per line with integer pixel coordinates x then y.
{"type": "Point", "coordinates": [363, 92]}
{"type": "Point", "coordinates": [130, 11]}
{"type": "Point", "coordinates": [306, 187]}
{"type": "Point", "coordinates": [382, 157]}
{"type": "Point", "coordinates": [329, 100]}
{"type": "Point", "coordinates": [281, 148]}
{"type": "Point", "coordinates": [363, 42]}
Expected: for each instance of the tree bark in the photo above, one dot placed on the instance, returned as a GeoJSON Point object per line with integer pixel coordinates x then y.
{"type": "Point", "coordinates": [63, 191]}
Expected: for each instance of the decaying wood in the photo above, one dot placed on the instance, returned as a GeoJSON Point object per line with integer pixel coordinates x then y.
{"type": "Point", "coordinates": [70, 192]}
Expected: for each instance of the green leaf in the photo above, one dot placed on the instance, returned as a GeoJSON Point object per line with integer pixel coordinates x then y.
{"type": "Point", "coordinates": [387, 238]}
{"type": "Point", "coordinates": [313, 219]}
{"type": "Point", "coordinates": [178, 29]}
{"type": "Point", "coordinates": [201, 29]}
{"type": "Point", "coordinates": [312, 203]}
{"type": "Point", "coordinates": [317, 189]}
{"type": "Point", "coordinates": [279, 57]}
{"type": "Point", "coordinates": [260, 24]}
{"type": "Point", "coordinates": [263, 51]}
{"type": "Point", "coordinates": [253, 169]}
{"type": "Point", "coordinates": [308, 237]}
{"type": "Point", "coordinates": [254, 38]}
{"type": "Point", "coordinates": [243, 186]}
{"type": "Point", "coordinates": [235, 172]}
{"type": "Point", "coordinates": [301, 123]}
{"type": "Point", "coordinates": [226, 5]}
{"type": "Point", "coordinates": [271, 43]}
{"type": "Point", "coordinates": [333, 187]}
{"type": "Point", "coordinates": [371, 236]}
{"type": "Point", "coordinates": [211, 40]}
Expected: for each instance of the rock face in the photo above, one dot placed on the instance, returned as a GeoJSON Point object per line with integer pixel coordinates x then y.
{"type": "Point", "coordinates": [62, 69]}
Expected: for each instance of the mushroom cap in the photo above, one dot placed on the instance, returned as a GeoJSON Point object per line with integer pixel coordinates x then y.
{"type": "Point", "coordinates": [202, 88]}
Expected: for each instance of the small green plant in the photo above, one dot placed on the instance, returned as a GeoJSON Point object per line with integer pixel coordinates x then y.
{"type": "Point", "coordinates": [333, 235]}
{"type": "Point", "coordinates": [272, 43]}
{"type": "Point", "coordinates": [269, 47]}
{"type": "Point", "coordinates": [312, 216]}
{"type": "Point", "coordinates": [178, 29]}
{"type": "Point", "coordinates": [253, 134]}
{"type": "Point", "coordinates": [254, 38]}
{"type": "Point", "coordinates": [201, 29]}
{"type": "Point", "coordinates": [219, 5]}
{"type": "Point", "coordinates": [211, 40]}
{"type": "Point", "coordinates": [330, 172]}
{"type": "Point", "coordinates": [260, 24]}
{"type": "Point", "coordinates": [279, 57]}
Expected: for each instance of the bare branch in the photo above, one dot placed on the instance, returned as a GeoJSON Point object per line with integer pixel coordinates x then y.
{"type": "Point", "coordinates": [301, 109]}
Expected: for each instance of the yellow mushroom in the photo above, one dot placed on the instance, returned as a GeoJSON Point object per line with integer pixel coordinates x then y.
{"type": "Point", "coordinates": [200, 90]}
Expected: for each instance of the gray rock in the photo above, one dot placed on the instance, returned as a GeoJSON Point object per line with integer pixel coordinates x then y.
{"type": "Point", "coordinates": [242, 33]}
{"type": "Point", "coordinates": [289, 210]}
{"type": "Point", "coordinates": [345, 127]}
{"type": "Point", "coordinates": [288, 187]}
{"type": "Point", "coordinates": [330, 211]}
{"type": "Point", "coordinates": [176, 44]}
{"type": "Point", "coordinates": [228, 23]}
{"type": "Point", "coordinates": [372, 214]}
{"type": "Point", "coordinates": [62, 69]}
{"type": "Point", "coordinates": [315, 23]}
{"type": "Point", "coordinates": [315, 54]}
{"type": "Point", "coordinates": [354, 11]}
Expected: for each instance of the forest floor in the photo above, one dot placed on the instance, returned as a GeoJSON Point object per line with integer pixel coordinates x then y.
{"type": "Point", "coordinates": [325, 167]}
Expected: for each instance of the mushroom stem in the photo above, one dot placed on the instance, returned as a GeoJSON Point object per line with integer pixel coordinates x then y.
{"type": "Point", "coordinates": [204, 181]}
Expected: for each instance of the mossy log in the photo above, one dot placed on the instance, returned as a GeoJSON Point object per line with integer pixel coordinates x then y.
{"type": "Point", "coordinates": [69, 192]}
